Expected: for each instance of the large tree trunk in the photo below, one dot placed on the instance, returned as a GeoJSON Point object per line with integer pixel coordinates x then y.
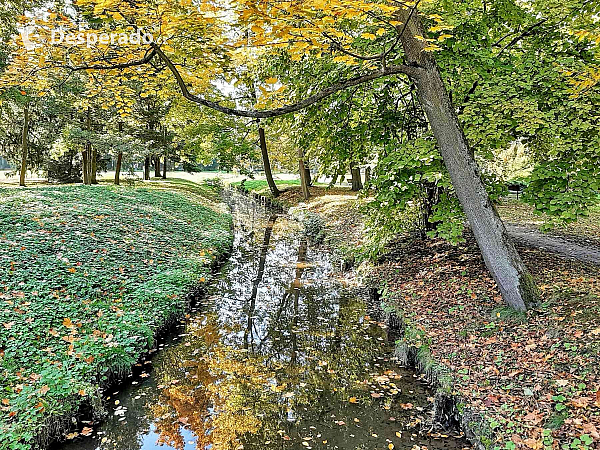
{"type": "Point", "coordinates": [86, 165]}
{"type": "Point", "coordinates": [94, 167]}
{"type": "Point", "coordinates": [164, 175]}
{"type": "Point", "coordinates": [118, 168]}
{"type": "Point", "coordinates": [266, 162]}
{"type": "Point", "coordinates": [24, 145]}
{"type": "Point", "coordinates": [356, 180]}
{"type": "Point", "coordinates": [157, 166]}
{"type": "Point", "coordinates": [304, 183]}
{"type": "Point", "coordinates": [147, 168]}
{"type": "Point", "coordinates": [500, 256]}
{"type": "Point", "coordinates": [91, 153]}
{"type": "Point", "coordinates": [309, 180]}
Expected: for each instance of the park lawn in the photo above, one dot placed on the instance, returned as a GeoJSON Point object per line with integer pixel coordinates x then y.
{"type": "Point", "coordinates": [260, 186]}
{"type": "Point", "coordinates": [88, 276]}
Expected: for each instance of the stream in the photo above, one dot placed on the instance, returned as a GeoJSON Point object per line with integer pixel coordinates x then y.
{"type": "Point", "coordinates": [281, 354]}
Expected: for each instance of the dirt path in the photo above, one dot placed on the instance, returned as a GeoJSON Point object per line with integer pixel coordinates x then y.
{"type": "Point", "coordinates": [556, 244]}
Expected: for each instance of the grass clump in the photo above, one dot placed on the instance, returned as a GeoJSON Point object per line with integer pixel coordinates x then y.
{"type": "Point", "coordinates": [88, 275]}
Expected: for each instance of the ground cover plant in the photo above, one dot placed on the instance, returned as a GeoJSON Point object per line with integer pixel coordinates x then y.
{"type": "Point", "coordinates": [88, 275]}
{"type": "Point", "coordinates": [534, 376]}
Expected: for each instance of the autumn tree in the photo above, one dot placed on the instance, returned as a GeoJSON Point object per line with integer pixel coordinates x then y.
{"type": "Point", "coordinates": [375, 39]}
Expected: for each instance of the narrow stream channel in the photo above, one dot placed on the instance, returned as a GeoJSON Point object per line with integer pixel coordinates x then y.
{"type": "Point", "coordinates": [280, 355]}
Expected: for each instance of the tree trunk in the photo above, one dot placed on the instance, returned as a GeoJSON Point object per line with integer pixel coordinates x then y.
{"type": "Point", "coordinates": [367, 176]}
{"type": "Point", "coordinates": [147, 168]}
{"type": "Point", "coordinates": [24, 145]}
{"type": "Point", "coordinates": [500, 256]}
{"type": "Point", "coordinates": [164, 175]}
{"type": "Point", "coordinates": [356, 180]}
{"type": "Point", "coordinates": [118, 168]}
{"type": "Point", "coordinates": [303, 177]}
{"type": "Point", "coordinates": [307, 171]}
{"type": "Point", "coordinates": [266, 162]}
{"type": "Point", "coordinates": [91, 153]}
{"type": "Point", "coordinates": [85, 166]}
{"type": "Point", "coordinates": [93, 166]}
{"type": "Point", "coordinates": [157, 166]}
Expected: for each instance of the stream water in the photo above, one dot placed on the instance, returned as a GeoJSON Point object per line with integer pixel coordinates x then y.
{"type": "Point", "coordinates": [279, 355]}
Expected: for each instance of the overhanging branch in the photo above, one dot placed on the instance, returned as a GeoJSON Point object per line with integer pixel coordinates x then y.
{"type": "Point", "coordinates": [411, 71]}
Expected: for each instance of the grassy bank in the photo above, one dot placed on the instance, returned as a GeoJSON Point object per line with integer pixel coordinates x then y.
{"type": "Point", "coordinates": [88, 276]}
{"type": "Point", "coordinates": [260, 186]}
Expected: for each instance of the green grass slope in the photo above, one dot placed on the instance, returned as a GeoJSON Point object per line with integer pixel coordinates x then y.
{"type": "Point", "coordinates": [88, 275]}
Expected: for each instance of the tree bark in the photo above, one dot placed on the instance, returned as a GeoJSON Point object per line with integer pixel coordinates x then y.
{"type": "Point", "coordinates": [356, 180]}
{"type": "Point", "coordinates": [307, 171]}
{"type": "Point", "coordinates": [164, 175]}
{"type": "Point", "coordinates": [147, 168]}
{"type": "Point", "coordinates": [85, 165]}
{"type": "Point", "coordinates": [500, 256]}
{"type": "Point", "coordinates": [266, 162]}
{"type": "Point", "coordinates": [24, 145]}
{"type": "Point", "coordinates": [367, 175]}
{"type": "Point", "coordinates": [118, 168]}
{"type": "Point", "coordinates": [303, 178]}
{"type": "Point", "coordinates": [91, 153]}
{"type": "Point", "coordinates": [157, 173]}
{"type": "Point", "coordinates": [94, 166]}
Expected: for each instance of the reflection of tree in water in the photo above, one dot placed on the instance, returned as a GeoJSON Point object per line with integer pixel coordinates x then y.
{"type": "Point", "coordinates": [307, 354]}
{"type": "Point", "coordinates": [277, 358]}
{"type": "Point", "coordinates": [281, 354]}
{"type": "Point", "coordinates": [248, 333]}
{"type": "Point", "coordinates": [204, 384]}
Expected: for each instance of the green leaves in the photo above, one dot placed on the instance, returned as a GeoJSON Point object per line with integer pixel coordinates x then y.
{"type": "Point", "coordinates": [95, 272]}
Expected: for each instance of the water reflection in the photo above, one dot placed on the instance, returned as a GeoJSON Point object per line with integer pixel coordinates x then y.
{"type": "Point", "coordinates": [280, 355]}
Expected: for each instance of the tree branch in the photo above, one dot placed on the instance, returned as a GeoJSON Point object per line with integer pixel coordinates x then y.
{"type": "Point", "coordinates": [411, 71]}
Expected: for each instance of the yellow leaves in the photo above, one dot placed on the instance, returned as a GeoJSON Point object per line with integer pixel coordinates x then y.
{"type": "Point", "coordinates": [68, 323]}
{"type": "Point", "coordinates": [353, 400]}
{"type": "Point", "coordinates": [437, 28]}
{"type": "Point", "coordinates": [369, 36]}
{"type": "Point", "coordinates": [345, 59]}
{"type": "Point", "coordinates": [271, 80]}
